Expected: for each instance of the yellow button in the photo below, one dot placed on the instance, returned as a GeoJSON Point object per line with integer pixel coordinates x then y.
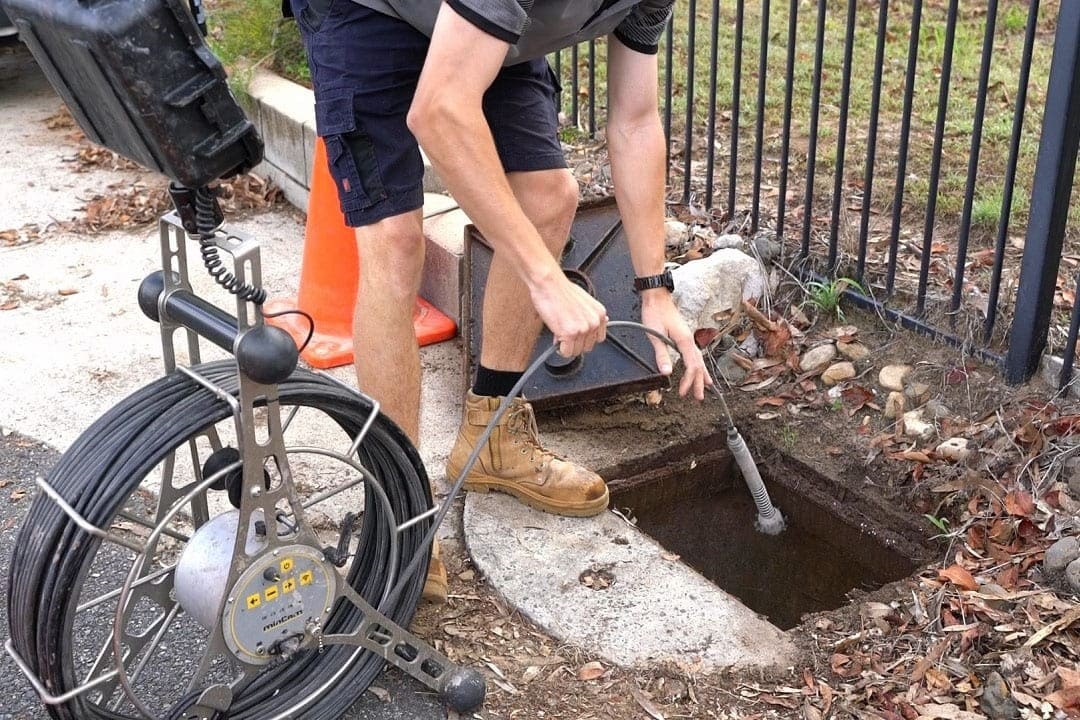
{"type": "Point", "coordinates": [272, 593]}
{"type": "Point", "coordinates": [306, 577]}
{"type": "Point", "coordinates": [254, 601]}
{"type": "Point", "coordinates": [286, 565]}
{"type": "Point", "coordinates": [289, 585]}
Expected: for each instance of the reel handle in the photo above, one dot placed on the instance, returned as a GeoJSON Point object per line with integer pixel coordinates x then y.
{"type": "Point", "coordinates": [265, 353]}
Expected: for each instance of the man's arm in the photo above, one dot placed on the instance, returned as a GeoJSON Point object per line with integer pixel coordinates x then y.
{"type": "Point", "coordinates": [637, 150]}
{"type": "Point", "coordinates": [448, 120]}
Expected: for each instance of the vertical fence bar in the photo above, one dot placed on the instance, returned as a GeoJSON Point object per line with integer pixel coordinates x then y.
{"type": "Point", "coordinates": [759, 133]}
{"type": "Point", "coordinates": [669, 82]}
{"type": "Point", "coordinates": [574, 86]}
{"type": "Point", "coordinates": [592, 88]}
{"type": "Point", "coordinates": [1010, 172]}
{"type": "Point", "coordinates": [688, 145]}
{"type": "Point", "coordinates": [905, 138]}
{"type": "Point", "coordinates": [841, 137]}
{"type": "Point", "coordinates": [935, 159]}
{"type": "Point", "coordinates": [871, 138]}
{"type": "Point", "coordinates": [973, 158]}
{"type": "Point", "coordinates": [1068, 358]}
{"type": "Point", "coordinates": [736, 99]}
{"type": "Point", "coordinates": [815, 112]}
{"type": "Point", "coordinates": [789, 90]}
{"type": "Point", "coordinates": [714, 70]}
{"type": "Point", "coordinates": [1050, 198]}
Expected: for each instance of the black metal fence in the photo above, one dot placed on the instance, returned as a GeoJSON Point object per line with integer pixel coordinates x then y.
{"type": "Point", "coordinates": [925, 149]}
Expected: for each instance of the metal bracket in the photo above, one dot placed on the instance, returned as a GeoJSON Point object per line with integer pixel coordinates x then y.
{"type": "Point", "coordinates": [42, 692]}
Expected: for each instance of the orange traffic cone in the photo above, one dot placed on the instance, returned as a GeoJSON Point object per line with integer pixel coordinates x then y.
{"type": "Point", "coordinates": [329, 278]}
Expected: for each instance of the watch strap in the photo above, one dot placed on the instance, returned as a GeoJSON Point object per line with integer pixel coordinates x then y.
{"type": "Point", "coordinates": [652, 282]}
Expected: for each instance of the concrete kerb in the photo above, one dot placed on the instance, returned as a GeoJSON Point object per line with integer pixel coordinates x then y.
{"type": "Point", "coordinates": [661, 610]}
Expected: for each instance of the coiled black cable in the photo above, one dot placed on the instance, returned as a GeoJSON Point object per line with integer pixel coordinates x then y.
{"type": "Point", "coordinates": [206, 220]}
{"type": "Point", "coordinates": [105, 466]}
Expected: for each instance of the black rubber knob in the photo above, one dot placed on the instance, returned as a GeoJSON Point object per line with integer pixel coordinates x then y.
{"type": "Point", "coordinates": [464, 690]}
{"type": "Point", "coordinates": [150, 290]}
{"type": "Point", "coordinates": [267, 354]}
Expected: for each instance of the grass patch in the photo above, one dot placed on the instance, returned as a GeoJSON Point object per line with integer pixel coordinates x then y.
{"type": "Point", "coordinates": [247, 34]}
{"type": "Point", "coordinates": [970, 30]}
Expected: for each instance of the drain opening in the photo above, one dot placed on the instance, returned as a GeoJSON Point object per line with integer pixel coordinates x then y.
{"type": "Point", "coordinates": [700, 509]}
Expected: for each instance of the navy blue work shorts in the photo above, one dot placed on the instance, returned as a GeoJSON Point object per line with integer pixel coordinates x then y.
{"type": "Point", "coordinates": [364, 67]}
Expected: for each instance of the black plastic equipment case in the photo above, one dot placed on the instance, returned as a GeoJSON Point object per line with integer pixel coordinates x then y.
{"type": "Point", "coordinates": [139, 79]}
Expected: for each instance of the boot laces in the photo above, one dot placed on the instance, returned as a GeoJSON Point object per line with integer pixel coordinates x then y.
{"type": "Point", "coordinates": [521, 423]}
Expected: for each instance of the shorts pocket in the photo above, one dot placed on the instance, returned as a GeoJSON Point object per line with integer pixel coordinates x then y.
{"type": "Point", "coordinates": [313, 13]}
{"type": "Point", "coordinates": [350, 152]}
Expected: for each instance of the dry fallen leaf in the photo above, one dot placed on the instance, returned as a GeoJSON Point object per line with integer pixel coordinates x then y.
{"type": "Point", "coordinates": [959, 577]}
{"type": "Point", "coordinates": [590, 671]}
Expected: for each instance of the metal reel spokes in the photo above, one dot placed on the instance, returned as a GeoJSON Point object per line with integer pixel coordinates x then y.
{"type": "Point", "coordinates": [206, 605]}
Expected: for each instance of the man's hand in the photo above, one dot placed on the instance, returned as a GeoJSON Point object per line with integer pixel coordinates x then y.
{"type": "Point", "coordinates": [576, 319]}
{"type": "Point", "coordinates": [658, 312]}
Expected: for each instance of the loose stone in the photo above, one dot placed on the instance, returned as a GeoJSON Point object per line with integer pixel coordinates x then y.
{"type": "Point", "coordinates": [916, 427]}
{"type": "Point", "coordinates": [894, 405]}
{"type": "Point", "coordinates": [1060, 554]}
{"type": "Point", "coordinates": [853, 351]}
{"type": "Point", "coordinates": [955, 449]}
{"type": "Point", "coordinates": [1072, 575]}
{"type": "Point", "coordinates": [817, 358]}
{"type": "Point", "coordinates": [728, 241]}
{"type": "Point", "coordinates": [996, 700]}
{"type": "Point", "coordinates": [675, 234]}
{"type": "Point", "coordinates": [892, 377]}
{"type": "Point", "coordinates": [838, 373]}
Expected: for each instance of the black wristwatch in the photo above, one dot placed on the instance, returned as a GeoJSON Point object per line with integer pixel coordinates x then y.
{"type": "Point", "coordinates": [651, 282]}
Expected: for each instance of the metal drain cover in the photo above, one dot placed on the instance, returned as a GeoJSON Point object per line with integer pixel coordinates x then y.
{"type": "Point", "coordinates": [597, 259]}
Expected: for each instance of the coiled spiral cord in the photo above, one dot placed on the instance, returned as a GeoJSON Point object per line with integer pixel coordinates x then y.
{"type": "Point", "coordinates": [206, 219]}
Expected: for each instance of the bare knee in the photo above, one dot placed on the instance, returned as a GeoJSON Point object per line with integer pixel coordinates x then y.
{"type": "Point", "coordinates": [550, 199]}
{"type": "Point", "coordinates": [392, 257]}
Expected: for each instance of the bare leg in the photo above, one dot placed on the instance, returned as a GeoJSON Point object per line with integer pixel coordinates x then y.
{"type": "Point", "coordinates": [386, 353]}
{"type": "Point", "coordinates": [511, 325]}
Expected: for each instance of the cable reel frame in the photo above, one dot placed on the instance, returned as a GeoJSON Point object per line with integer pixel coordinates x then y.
{"type": "Point", "coordinates": [255, 407]}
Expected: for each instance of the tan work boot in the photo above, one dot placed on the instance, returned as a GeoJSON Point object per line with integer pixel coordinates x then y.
{"type": "Point", "coordinates": [515, 462]}
{"type": "Point", "coordinates": [435, 587]}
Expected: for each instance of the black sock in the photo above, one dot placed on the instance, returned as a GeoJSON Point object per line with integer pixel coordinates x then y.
{"type": "Point", "coordinates": [494, 383]}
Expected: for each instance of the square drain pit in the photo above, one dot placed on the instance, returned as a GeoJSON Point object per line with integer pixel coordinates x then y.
{"type": "Point", "coordinates": [699, 508]}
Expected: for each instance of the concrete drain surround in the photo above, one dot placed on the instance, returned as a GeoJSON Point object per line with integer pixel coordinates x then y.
{"type": "Point", "coordinates": [601, 584]}
{"type": "Point", "coordinates": [703, 512]}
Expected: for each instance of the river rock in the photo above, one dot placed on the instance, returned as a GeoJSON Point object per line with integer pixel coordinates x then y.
{"type": "Point", "coordinates": [1072, 476]}
{"type": "Point", "coordinates": [996, 700]}
{"type": "Point", "coordinates": [839, 372]}
{"type": "Point", "coordinates": [894, 406]}
{"type": "Point", "coordinates": [891, 377]}
{"type": "Point", "coordinates": [676, 234]}
{"type": "Point", "coordinates": [728, 242]}
{"type": "Point", "coordinates": [766, 245]}
{"type": "Point", "coordinates": [1072, 576]}
{"type": "Point", "coordinates": [915, 426]}
{"type": "Point", "coordinates": [817, 358]}
{"type": "Point", "coordinates": [730, 370]}
{"type": "Point", "coordinates": [956, 449]}
{"type": "Point", "coordinates": [1060, 554]}
{"type": "Point", "coordinates": [716, 286]}
{"type": "Point", "coordinates": [936, 409]}
{"type": "Point", "coordinates": [853, 351]}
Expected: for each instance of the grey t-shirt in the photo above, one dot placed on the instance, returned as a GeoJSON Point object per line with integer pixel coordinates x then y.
{"type": "Point", "coordinates": [535, 28]}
